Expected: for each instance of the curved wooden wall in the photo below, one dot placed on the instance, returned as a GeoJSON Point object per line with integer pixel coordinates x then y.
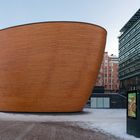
{"type": "Point", "coordinates": [49, 67]}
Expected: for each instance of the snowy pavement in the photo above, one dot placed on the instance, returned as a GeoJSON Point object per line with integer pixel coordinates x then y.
{"type": "Point", "coordinates": [110, 121]}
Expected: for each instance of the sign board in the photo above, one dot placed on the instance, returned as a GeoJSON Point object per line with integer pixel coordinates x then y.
{"type": "Point", "coordinates": [132, 104]}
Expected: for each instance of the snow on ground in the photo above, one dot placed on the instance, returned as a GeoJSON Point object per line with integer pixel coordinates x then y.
{"type": "Point", "coordinates": [112, 121]}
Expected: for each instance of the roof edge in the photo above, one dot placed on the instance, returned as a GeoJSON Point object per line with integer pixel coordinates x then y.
{"type": "Point", "coordinates": [55, 22]}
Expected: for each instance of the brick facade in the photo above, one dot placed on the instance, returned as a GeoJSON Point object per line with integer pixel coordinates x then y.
{"type": "Point", "coordinates": [108, 75]}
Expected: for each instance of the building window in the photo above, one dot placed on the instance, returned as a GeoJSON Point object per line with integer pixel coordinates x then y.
{"type": "Point", "coordinates": [100, 102]}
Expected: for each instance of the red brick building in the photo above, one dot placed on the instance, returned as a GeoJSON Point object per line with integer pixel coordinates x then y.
{"type": "Point", "coordinates": [108, 75]}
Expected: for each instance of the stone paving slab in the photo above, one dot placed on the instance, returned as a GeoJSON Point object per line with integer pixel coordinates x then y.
{"type": "Point", "coordinates": [49, 131]}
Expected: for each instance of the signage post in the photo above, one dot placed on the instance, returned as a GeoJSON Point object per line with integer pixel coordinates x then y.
{"type": "Point", "coordinates": [133, 113]}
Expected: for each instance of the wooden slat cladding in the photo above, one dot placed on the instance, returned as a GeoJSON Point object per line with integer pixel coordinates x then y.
{"type": "Point", "coordinates": [49, 67]}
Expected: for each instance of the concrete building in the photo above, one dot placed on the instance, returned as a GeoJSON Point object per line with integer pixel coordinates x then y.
{"type": "Point", "coordinates": [108, 75]}
{"type": "Point", "coordinates": [129, 54]}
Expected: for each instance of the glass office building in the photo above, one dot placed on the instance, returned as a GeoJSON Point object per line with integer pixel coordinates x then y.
{"type": "Point", "coordinates": [129, 54]}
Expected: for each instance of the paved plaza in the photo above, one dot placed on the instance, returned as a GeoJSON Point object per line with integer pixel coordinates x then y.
{"type": "Point", "coordinates": [91, 124]}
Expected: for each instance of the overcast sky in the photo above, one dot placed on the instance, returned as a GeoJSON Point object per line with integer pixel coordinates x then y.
{"type": "Point", "coordinates": [111, 14]}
